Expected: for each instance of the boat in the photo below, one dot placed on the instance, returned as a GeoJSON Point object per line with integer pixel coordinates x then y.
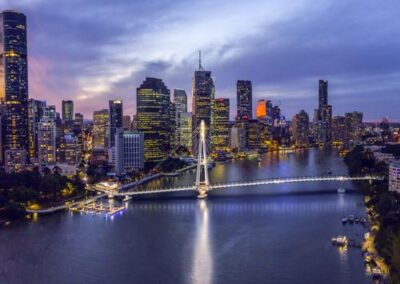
{"type": "Point", "coordinates": [341, 190]}
{"type": "Point", "coordinates": [357, 219]}
{"type": "Point", "coordinates": [340, 241]}
{"type": "Point", "coordinates": [351, 218]}
{"type": "Point", "coordinates": [344, 220]}
{"type": "Point", "coordinates": [259, 159]}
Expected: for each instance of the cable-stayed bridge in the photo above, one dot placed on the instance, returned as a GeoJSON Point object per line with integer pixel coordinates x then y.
{"type": "Point", "coordinates": [202, 184]}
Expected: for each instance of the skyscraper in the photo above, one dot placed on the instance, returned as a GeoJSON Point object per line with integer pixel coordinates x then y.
{"type": "Point", "coordinates": [323, 121]}
{"type": "Point", "coordinates": [244, 100]}
{"type": "Point", "coordinates": [126, 122]}
{"type": "Point", "coordinates": [339, 129]}
{"type": "Point", "coordinates": [220, 125]}
{"type": "Point", "coordinates": [180, 100]}
{"type": "Point", "coordinates": [46, 142]}
{"type": "Point", "coordinates": [203, 92]}
{"type": "Point", "coordinates": [115, 112]}
{"type": "Point", "coordinates": [99, 133]}
{"type": "Point", "coordinates": [152, 104]}
{"type": "Point", "coordinates": [14, 79]}
{"type": "Point", "coordinates": [36, 110]}
{"type": "Point", "coordinates": [129, 151]}
{"type": "Point", "coordinates": [354, 126]}
{"type": "Point", "coordinates": [264, 111]}
{"type": "Point", "coordinates": [67, 111]}
{"type": "Point", "coordinates": [300, 129]}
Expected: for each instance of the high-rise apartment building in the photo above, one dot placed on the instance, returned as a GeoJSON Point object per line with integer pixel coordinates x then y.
{"type": "Point", "coordinates": [354, 126]}
{"type": "Point", "coordinates": [323, 115]}
{"type": "Point", "coordinates": [339, 129]}
{"type": "Point", "coordinates": [153, 117]}
{"type": "Point", "coordinates": [14, 80]}
{"type": "Point", "coordinates": [244, 93]}
{"type": "Point", "coordinates": [300, 129]}
{"type": "Point", "coordinates": [46, 142]}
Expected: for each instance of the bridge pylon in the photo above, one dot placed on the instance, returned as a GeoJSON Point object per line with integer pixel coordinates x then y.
{"type": "Point", "coordinates": [202, 185]}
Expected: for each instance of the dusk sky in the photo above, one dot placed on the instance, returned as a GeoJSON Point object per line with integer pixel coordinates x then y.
{"type": "Point", "coordinates": [94, 50]}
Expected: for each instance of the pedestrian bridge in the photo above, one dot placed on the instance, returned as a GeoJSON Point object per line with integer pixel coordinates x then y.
{"type": "Point", "coordinates": [260, 182]}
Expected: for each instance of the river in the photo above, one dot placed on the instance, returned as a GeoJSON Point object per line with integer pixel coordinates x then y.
{"type": "Point", "coordinates": [268, 234]}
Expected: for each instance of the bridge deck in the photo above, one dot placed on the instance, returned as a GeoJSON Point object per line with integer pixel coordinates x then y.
{"type": "Point", "coordinates": [270, 181]}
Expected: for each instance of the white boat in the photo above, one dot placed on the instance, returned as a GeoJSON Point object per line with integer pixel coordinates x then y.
{"type": "Point", "coordinates": [341, 190]}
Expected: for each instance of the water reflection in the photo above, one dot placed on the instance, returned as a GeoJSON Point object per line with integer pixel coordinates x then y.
{"type": "Point", "coordinates": [202, 266]}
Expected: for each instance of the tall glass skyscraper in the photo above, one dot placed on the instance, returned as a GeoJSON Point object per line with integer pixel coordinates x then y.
{"type": "Point", "coordinates": [323, 125]}
{"type": "Point", "coordinates": [153, 118]}
{"type": "Point", "coordinates": [180, 100]}
{"type": "Point", "coordinates": [67, 111]}
{"type": "Point", "coordinates": [203, 92]}
{"type": "Point", "coordinates": [115, 112]}
{"type": "Point", "coordinates": [244, 100]}
{"type": "Point", "coordinates": [14, 79]}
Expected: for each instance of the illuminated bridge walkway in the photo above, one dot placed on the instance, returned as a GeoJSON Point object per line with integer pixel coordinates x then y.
{"type": "Point", "coordinates": [203, 189]}
{"type": "Point", "coordinates": [202, 184]}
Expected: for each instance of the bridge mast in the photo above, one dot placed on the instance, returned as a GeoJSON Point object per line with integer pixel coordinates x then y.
{"type": "Point", "coordinates": [202, 186]}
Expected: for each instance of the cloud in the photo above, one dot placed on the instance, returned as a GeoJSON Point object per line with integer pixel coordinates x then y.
{"type": "Point", "coordinates": [91, 51]}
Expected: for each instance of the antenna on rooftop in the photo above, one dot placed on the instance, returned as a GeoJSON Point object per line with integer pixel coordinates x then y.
{"type": "Point", "coordinates": [200, 67]}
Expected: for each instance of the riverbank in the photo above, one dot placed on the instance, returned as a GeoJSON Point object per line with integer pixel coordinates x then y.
{"type": "Point", "coordinates": [383, 208]}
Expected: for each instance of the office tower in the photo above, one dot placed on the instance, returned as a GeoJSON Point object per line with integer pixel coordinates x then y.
{"type": "Point", "coordinates": [354, 126]}
{"type": "Point", "coordinates": [46, 142]}
{"type": "Point", "coordinates": [220, 124]}
{"type": "Point", "coordinates": [126, 122]}
{"type": "Point", "coordinates": [264, 111]}
{"type": "Point", "coordinates": [115, 114]}
{"type": "Point", "coordinates": [14, 80]}
{"type": "Point", "coordinates": [129, 151]}
{"type": "Point", "coordinates": [300, 129]}
{"type": "Point", "coordinates": [36, 110]}
{"type": "Point", "coordinates": [153, 116]}
{"type": "Point", "coordinates": [100, 124]}
{"type": "Point", "coordinates": [237, 138]}
{"type": "Point", "coordinates": [253, 134]}
{"type": "Point", "coordinates": [67, 111]}
{"type": "Point", "coordinates": [173, 127]}
{"type": "Point", "coordinates": [180, 100]}
{"type": "Point", "coordinates": [339, 129]}
{"type": "Point", "coordinates": [185, 130]}
{"type": "Point", "coordinates": [244, 100]}
{"type": "Point", "coordinates": [203, 93]}
{"type": "Point", "coordinates": [323, 116]}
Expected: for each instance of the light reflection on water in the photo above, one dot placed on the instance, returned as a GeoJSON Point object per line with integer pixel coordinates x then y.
{"type": "Point", "coordinates": [202, 265]}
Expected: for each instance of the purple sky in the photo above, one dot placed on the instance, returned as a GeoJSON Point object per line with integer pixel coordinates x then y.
{"type": "Point", "coordinates": [94, 50]}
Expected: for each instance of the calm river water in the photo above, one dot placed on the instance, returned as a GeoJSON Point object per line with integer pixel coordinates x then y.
{"type": "Point", "coordinates": [268, 234]}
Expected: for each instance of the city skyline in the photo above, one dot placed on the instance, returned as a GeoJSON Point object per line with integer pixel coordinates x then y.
{"type": "Point", "coordinates": [67, 63]}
